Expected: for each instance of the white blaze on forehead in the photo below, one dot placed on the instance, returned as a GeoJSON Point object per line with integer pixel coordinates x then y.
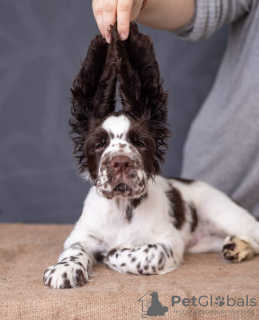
{"type": "Point", "coordinates": [116, 125]}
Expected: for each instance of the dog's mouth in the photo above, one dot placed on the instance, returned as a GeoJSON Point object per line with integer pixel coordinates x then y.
{"type": "Point", "coordinates": [131, 184]}
{"type": "Point", "coordinates": [122, 189]}
{"type": "Point", "coordinates": [127, 189]}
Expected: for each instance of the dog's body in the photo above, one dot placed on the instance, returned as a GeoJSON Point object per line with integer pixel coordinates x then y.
{"type": "Point", "coordinates": [135, 220]}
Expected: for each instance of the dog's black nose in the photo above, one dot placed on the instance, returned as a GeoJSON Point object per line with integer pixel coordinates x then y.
{"type": "Point", "coordinates": [122, 164]}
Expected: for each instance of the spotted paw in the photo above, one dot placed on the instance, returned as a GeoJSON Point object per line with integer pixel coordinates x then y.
{"type": "Point", "coordinates": [65, 274]}
{"type": "Point", "coordinates": [236, 250]}
{"type": "Point", "coordinates": [146, 260]}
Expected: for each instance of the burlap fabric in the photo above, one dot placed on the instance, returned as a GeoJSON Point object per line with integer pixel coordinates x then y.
{"type": "Point", "coordinates": [26, 250]}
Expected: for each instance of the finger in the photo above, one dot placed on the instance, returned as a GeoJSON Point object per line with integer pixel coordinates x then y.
{"type": "Point", "coordinates": [98, 15]}
{"type": "Point", "coordinates": [124, 8]}
{"type": "Point", "coordinates": [109, 16]}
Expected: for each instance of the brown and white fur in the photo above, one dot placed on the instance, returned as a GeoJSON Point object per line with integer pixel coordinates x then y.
{"type": "Point", "coordinates": [135, 220]}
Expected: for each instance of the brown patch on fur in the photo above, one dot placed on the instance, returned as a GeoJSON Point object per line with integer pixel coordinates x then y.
{"type": "Point", "coordinates": [165, 249]}
{"type": "Point", "coordinates": [183, 180]}
{"type": "Point", "coordinates": [129, 213]}
{"type": "Point", "coordinates": [99, 256]}
{"type": "Point", "coordinates": [177, 207]}
{"type": "Point", "coordinates": [194, 222]}
{"type": "Point", "coordinates": [80, 278]}
{"type": "Point", "coordinates": [73, 258]}
{"type": "Point", "coordinates": [111, 252]}
{"type": "Point", "coordinates": [161, 258]}
{"type": "Point", "coordinates": [139, 133]}
{"type": "Point", "coordinates": [93, 154]}
{"type": "Point", "coordinates": [64, 275]}
{"type": "Point", "coordinates": [66, 285]}
{"type": "Point", "coordinates": [136, 202]}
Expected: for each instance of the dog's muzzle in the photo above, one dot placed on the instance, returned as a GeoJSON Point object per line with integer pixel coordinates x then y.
{"type": "Point", "coordinates": [121, 176]}
{"type": "Point", "coordinates": [122, 165]}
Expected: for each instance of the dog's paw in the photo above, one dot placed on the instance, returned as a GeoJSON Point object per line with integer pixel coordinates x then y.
{"type": "Point", "coordinates": [65, 274]}
{"type": "Point", "coordinates": [237, 250]}
{"type": "Point", "coordinates": [145, 260]}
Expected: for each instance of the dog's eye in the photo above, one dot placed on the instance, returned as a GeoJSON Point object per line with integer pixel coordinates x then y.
{"type": "Point", "coordinates": [139, 144]}
{"type": "Point", "coordinates": [100, 146]}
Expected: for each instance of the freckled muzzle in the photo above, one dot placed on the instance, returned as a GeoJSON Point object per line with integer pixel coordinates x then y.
{"type": "Point", "coordinates": [121, 175]}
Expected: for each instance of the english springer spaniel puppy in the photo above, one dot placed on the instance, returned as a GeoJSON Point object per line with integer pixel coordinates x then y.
{"type": "Point", "coordinates": [135, 220]}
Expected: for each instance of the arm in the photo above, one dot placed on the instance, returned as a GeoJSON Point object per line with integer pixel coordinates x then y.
{"type": "Point", "coordinates": [167, 14]}
{"type": "Point", "coordinates": [170, 15]}
{"type": "Point", "coordinates": [211, 15]}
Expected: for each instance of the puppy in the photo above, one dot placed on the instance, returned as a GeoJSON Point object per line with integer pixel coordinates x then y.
{"type": "Point", "coordinates": [135, 220]}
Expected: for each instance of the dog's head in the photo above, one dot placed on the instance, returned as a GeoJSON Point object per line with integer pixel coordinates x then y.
{"type": "Point", "coordinates": [119, 151]}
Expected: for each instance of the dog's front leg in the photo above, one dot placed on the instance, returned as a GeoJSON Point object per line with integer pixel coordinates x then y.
{"type": "Point", "coordinates": [149, 259]}
{"type": "Point", "coordinates": [72, 270]}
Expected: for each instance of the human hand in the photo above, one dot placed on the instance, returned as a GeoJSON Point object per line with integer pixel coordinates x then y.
{"type": "Point", "coordinates": [107, 11]}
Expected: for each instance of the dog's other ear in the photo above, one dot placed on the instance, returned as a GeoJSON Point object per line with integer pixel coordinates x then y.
{"type": "Point", "coordinates": [141, 86]}
{"type": "Point", "coordinates": [93, 94]}
{"type": "Point", "coordinates": [94, 87]}
{"type": "Point", "coordinates": [130, 85]}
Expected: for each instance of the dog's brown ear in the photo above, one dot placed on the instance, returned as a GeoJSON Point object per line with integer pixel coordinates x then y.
{"type": "Point", "coordinates": [141, 86]}
{"type": "Point", "coordinates": [94, 88]}
{"type": "Point", "coordinates": [130, 85]}
{"type": "Point", "coordinates": [93, 93]}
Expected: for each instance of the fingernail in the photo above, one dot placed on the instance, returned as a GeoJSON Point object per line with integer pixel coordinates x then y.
{"type": "Point", "coordinates": [108, 39]}
{"type": "Point", "coordinates": [123, 36]}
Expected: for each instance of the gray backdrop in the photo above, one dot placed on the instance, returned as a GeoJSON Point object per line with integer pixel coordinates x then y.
{"type": "Point", "coordinates": [41, 45]}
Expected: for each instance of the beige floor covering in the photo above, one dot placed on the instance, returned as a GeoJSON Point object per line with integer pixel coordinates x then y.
{"type": "Point", "coordinates": [26, 250]}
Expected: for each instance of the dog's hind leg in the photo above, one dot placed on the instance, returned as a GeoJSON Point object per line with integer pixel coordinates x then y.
{"type": "Point", "coordinates": [237, 249]}
{"type": "Point", "coordinates": [219, 216]}
{"type": "Point", "coordinates": [207, 244]}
